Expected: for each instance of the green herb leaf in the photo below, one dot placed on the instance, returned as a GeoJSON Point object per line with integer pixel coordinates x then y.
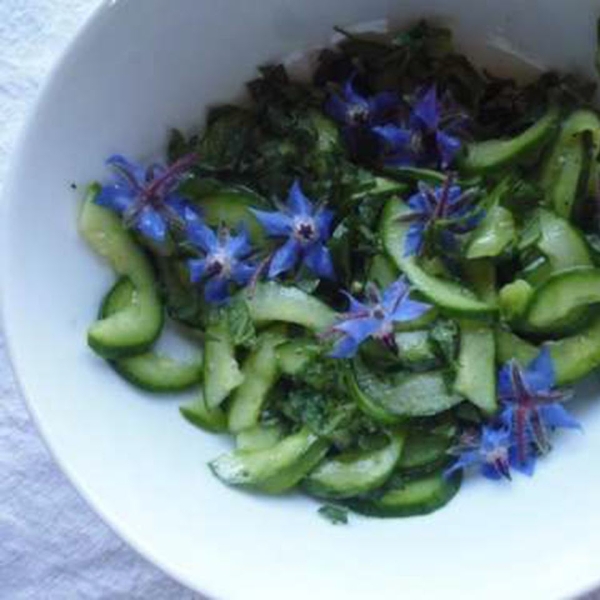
{"type": "Point", "coordinates": [336, 515]}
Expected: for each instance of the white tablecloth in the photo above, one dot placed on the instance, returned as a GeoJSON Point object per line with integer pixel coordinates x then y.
{"type": "Point", "coordinates": [52, 546]}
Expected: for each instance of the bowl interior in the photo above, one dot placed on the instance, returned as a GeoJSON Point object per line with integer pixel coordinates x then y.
{"type": "Point", "coordinates": [136, 70]}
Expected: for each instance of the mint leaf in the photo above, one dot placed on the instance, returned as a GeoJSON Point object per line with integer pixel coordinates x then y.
{"type": "Point", "coordinates": [336, 515]}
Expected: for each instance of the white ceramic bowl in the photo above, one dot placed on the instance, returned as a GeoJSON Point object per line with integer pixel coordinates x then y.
{"type": "Point", "coordinates": [136, 69]}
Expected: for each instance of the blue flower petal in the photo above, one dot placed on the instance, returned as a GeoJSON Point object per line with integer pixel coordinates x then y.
{"type": "Point", "coordinates": [198, 233]}
{"type": "Point", "coordinates": [556, 415]}
{"type": "Point", "coordinates": [505, 386]}
{"type": "Point", "coordinates": [298, 203]}
{"type": "Point", "coordinates": [216, 290]}
{"type": "Point", "coordinates": [238, 246]}
{"type": "Point", "coordinates": [359, 329]}
{"type": "Point", "coordinates": [539, 374]}
{"type": "Point", "coordinates": [318, 259]}
{"type": "Point", "coordinates": [197, 269]}
{"type": "Point", "coordinates": [151, 224]}
{"type": "Point", "coordinates": [448, 147]}
{"type": "Point", "coordinates": [242, 272]}
{"type": "Point", "coordinates": [356, 306]}
{"type": "Point", "coordinates": [427, 109]}
{"type": "Point", "coordinates": [336, 108]}
{"type": "Point", "coordinates": [419, 203]}
{"type": "Point", "coordinates": [115, 197]}
{"type": "Point", "coordinates": [414, 239]}
{"type": "Point", "coordinates": [323, 220]}
{"type": "Point", "coordinates": [285, 258]}
{"type": "Point", "coordinates": [274, 223]}
{"type": "Point", "coordinates": [394, 293]}
{"type": "Point", "coordinates": [382, 104]}
{"type": "Point", "coordinates": [525, 466]}
{"type": "Point", "coordinates": [395, 138]}
{"type": "Point", "coordinates": [490, 471]}
{"type": "Point", "coordinates": [129, 174]}
{"type": "Point", "coordinates": [352, 97]}
{"type": "Point", "coordinates": [346, 347]}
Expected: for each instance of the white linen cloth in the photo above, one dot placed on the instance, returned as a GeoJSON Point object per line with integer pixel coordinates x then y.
{"type": "Point", "coordinates": [52, 546]}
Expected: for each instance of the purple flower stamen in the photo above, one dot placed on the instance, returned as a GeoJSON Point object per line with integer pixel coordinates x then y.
{"type": "Point", "coordinates": [145, 197]}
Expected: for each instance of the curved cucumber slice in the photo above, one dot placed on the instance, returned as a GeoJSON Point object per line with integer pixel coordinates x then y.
{"type": "Point", "coordinates": [400, 396]}
{"type": "Point", "coordinates": [260, 373]}
{"type": "Point", "coordinates": [567, 169]}
{"type": "Point", "coordinates": [221, 371]}
{"type": "Point", "coordinates": [510, 346]}
{"type": "Point", "coordinates": [416, 497]}
{"type": "Point", "coordinates": [275, 469]}
{"type": "Point", "coordinates": [558, 303]}
{"type": "Point", "coordinates": [476, 375]}
{"type": "Point", "coordinates": [493, 235]}
{"type": "Point", "coordinates": [576, 356]}
{"type": "Point", "coordinates": [269, 302]}
{"type": "Point", "coordinates": [355, 473]}
{"type": "Point", "coordinates": [258, 438]}
{"type": "Point", "coordinates": [197, 413]}
{"type": "Point", "coordinates": [563, 245]}
{"type": "Point", "coordinates": [232, 209]}
{"type": "Point", "coordinates": [149, 371]}
{"type": "Point", "coordinates": [494, 154]}
{"type": "Point", "coordinates": [424, 451]}
{"type": "Point", "coordinates": [134, 329]}
{"type": "Point", "coordinates": [446, 294]}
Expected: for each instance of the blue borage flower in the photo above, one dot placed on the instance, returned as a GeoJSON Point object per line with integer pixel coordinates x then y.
{"type": "Point", "coordinates": [489, 450]}
{"type": "Point", "coordinates": [445, 210]}
{"type": "Point", "coordinates": [427, 137]}
{"type": "Point", "coordinates": [224, 258]}
{"type": "Point", "coordinates": [531, 408]}
{"type": "Point", "coordinates": [352, 110]}
{"type": "Point", "coordinates": [307, 229]}
{"type": "Point", "coordinates": [376, 317]}
{"type": "Point", "coordinates": [145, 196]}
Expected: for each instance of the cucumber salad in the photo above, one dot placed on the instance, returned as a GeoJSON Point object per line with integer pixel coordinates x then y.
{"type": "Point", "coordinates": [391, 271]}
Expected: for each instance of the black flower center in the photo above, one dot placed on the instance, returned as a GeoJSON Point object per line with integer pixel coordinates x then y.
{"type": "Point", "coordinates": [358, 114]}
{"type": "Point", "coordinates": [305, 231]}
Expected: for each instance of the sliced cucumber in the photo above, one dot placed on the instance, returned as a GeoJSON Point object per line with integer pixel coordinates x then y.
{"type": "Point", "coordinates": [260, 437]}
{"type": "Point", "coordinates": [476, 374]}
{"type": "Point", "coordinates": [270, 302]}
{"type": "Point", "coordinates": [273, 470]}
{"type": "Point", "coordinates": [382, 271]}
{"type": "Point", "coordinates": [416, 351]}
{"type": "Point", "coordinates": [576, 356]}
{"type": "Point", "coordinates": [134, 329]}
{"type": "Point", "coordinates": [416, 497]}
{"type": "Point", "coordinates": [493, 235]}
{"type": "Point", "coordinates": [566, 170]}
{"type": "Point", "coordinates": [232, 209]}
{"type": "Point", "coordinates": [510, 346]}
{"type": "Point", "coordinates": [495, 154]}
{"type": "Point", "coordinates": [514, 298]}
{"type": "Point", "coordinates": [562, 244]}
{"type": "Point", "coordinates": [150, 371]}
{"type": "Point", "coordinates": [446, 294]}
{"type": "Point", "coordinates": [295, 355]}
{"type": "Point", "coordinates": [424, 452]}
{"type": "Point", "coordinates": [399, 396]}
{"type": "Point", "coordinates": [213, 420]}
{"type": "Point", "coordinates": [221, 370]}
{"type": "Point", "coordinates": [558, 303]}
{"type": "Point", "coordinates": [355, 473]}
{"type": "Point", "coordinates": [259, 373]}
